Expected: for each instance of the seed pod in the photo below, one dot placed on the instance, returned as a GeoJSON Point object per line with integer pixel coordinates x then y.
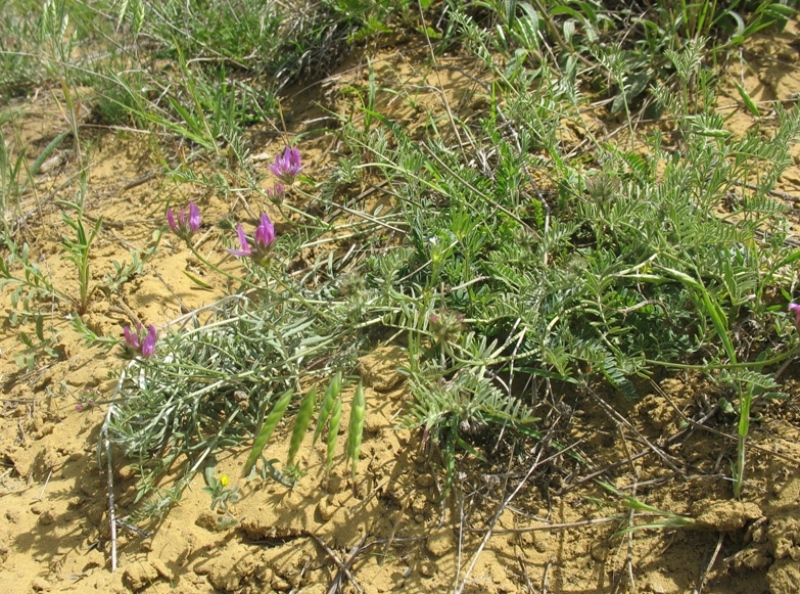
{"type": "Point", "coordinates": [331, 393]}
{"type": "Point", "coordinates": [266, 430]}
{"type": "Point", "coordinates": [301, 423]}
{"type": "Point", "coordinates": [333, 429]}
{"type": "Point", "coordinates": [357, 412]}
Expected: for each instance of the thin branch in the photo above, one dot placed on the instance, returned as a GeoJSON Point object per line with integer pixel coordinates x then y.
{"type": "Point", "coordinates": [344, 566]}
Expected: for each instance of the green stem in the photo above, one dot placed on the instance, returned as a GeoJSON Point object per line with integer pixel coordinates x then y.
{"type": "Point", "coordinates": [216, 268]}
{"type": "Point", "coordinates": [739, 365]}
{"type": "Point", "coordinates": [744, 428]}
{"type": "Point", "coordinates": [285, 286]}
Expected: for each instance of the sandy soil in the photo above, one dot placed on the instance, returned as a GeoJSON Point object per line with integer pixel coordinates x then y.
{"type": "Point", "coordinates": [559, 533]}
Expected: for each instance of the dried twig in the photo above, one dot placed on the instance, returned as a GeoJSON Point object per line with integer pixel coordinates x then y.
{"type": "Point", "coordinates": [46, 482]}
{"type": "Point", "coordinates": [344, 566]}
{"type": "Point", "coordinates": [524, 570]}
{"type": "Point", "coordinates": [112, 518]}
{"type": "Point", "coordinates": [490, 530]}
{"type": "Point", "coordinates": [674, 437]}
{"type": "Point", "coordinates": [545, 577]}
{"type": "Point", "coordinates": [700, 425]}
{"type": "Point", "coordinates": [552, 527]}
{"type": "Point", "coordinates": [631, 514]}
{"type": "Point", "coordinates": [707, 570]}
{"type": "Point", "coordinates": [622, 421]}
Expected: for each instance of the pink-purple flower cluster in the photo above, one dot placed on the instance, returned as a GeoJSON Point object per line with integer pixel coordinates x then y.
{"type": "Point", "coordinates": [264, 237]}
{"type": "Point", "coordinates": [276, 193]}
{"type": "Point", "coordinates": [185, 224]}
{"type": "Point", "coordinates": [795, 307]}
{"type": "Point", "coordinates": [287, 166]}
{"type": "Point", "coordinates": [142, 342]}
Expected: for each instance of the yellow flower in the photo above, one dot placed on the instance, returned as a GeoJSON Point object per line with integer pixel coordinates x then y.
{"type": "Point", "coordinates": [224, 480]}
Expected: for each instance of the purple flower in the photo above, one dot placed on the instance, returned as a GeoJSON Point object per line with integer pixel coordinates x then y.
{"type": "Point", "coordinates": [287, 166]}
{"type": "Point", "coordinates": [81, 406]}
{"type": "Point", "coordinates": [149, 342]}
{"type": "Point", "coordinates": [276, 193]}
{"type": "Point", "coordinates": [131, 339]}
{"type": "Point", "coordinates": [186, 224]}
{"type": "Point", "coordinates": [245, 251]}
{"type": "Point", "coordinates": [795, 307]}
{"type": "Point", "coordinates": [265, 232]}
{"type": "Point", "coordinates": [264, 238]}
{"type": "Point", "coordinates": [141, 341]}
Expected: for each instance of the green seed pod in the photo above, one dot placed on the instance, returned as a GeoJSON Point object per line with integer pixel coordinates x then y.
{"type": "Point", "coordinates": [301, 424]}
{"type": "Point", "coordinates": [266, 430]}
{"type": "Point", "coordinates": [333, 429]}
{"type": "Point", "coordinates": [331, 393]}
{"type": "Point", "coordinates": [357, 412]}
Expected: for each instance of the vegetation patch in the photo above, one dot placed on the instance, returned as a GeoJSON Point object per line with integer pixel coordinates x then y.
{"type": "Point", "coordinates": [545, 207]}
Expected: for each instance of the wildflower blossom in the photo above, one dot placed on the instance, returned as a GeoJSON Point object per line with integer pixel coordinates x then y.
{"type": "Point", "coordinates": [276, 193]}
{"type": "Point", "coordinates": [795, 307]}
{"type": "Point", "coordinates": [445, 326]}
{"type": "Point", "coordinates": [287, 166]}
{"type": "Point", "coordinates": [265, 232]}
{"type": "Point", "coordinates": [245, 250]}
{"type": "Point", "coordinates": [186, 224]}
{"type": "Point", "coordinates": [264, 237]}
{"type": "Point", "coordinates": [141, 341]}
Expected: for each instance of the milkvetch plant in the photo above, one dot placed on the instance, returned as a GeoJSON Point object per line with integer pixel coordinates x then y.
{"type": "Point", "coordinates": [287, 166]}
{"type": "Point", "coordinates": [276, 193]}
{"type": "Point", "coordinates": [185, 224]}
{"type": "Point", "coordinates": [795, 309]}
{"type": "Point", "coordinates": [264, 237]}
{"type": "Point", "coordinates": [567, 285]}
{"type": "Point", "coordinates": [140, 342]}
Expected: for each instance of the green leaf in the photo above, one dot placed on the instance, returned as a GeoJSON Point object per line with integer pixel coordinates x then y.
{"type": "Point", "coordinates": [197, 281]}
{"type": "Point", "coordinates": [748, 101]}
{"type": "Point", "coordinates": [48, 150]}
{"type": "Point", "coordinates": [40, 327]}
